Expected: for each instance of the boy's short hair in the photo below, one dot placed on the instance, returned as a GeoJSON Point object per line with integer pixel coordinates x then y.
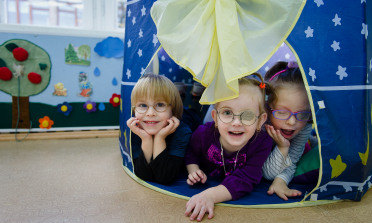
{"type": "Point", "coordinates": [155, 86]}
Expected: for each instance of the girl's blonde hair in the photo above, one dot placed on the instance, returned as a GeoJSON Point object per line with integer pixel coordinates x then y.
{"type": "Point", "coordinates": [153, 86]}
{"type": "Point", "coordinates": [252, 82]}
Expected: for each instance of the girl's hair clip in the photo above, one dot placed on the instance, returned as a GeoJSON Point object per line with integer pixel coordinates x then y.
{"type": "Point", "coordinates": [292, 65]}
{"type": "Point", "coordinates": [262, 85]}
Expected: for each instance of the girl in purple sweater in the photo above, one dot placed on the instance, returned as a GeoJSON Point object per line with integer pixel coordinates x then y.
{"type": "Point", "coordinates": [232, 146]}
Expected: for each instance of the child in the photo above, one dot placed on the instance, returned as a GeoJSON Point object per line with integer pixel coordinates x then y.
{"type": "Point", "coordinates": [232, 146]}
{"type": "Point", "coordinates": [160, 140]}
{"type": "Point", "coordinates": [289, 114]}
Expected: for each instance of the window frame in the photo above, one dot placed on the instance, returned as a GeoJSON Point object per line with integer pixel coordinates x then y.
{"type": "Point", "coordinates": [97, 22]}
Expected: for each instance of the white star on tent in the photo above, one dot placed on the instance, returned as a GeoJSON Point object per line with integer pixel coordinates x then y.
{"type": "Point", "coordinates": [335, 198]}
{"type": "Point", "coordinates": [282, 44]}
{"type": "Point", "coordinates": [154, 39]}
{"type": "Point", "coordinates": [361, 2]}
{"type": "Point", "coordinates": [180, 67]}
{"type": "Point", "coordinates": [189, 80]}
{"type": "Point", "coordinates": [369, 184]}
{"type": "Point", "coordinates": [312, 74]}
{"type": "Point", "coordinates": [341, 72]}
{"type": "Point", "coordinates": [183, 81]}
{"type": "Point", "coordinates": [143, 10]}
{"type": "Point", "coordinates": [337, 20]}
{"type": "Point", "coordinates": [170, 70]}
{"type": "Point", "coordinates": [319, 2]}
{"type": "Point", "coordinates": [267, 68]}
{"type": "Point", "coordinates": [370, 65]}
{"type": "Point", "coordinates": [129, 12]}
{"type": "Point", "coordinates": [140, 33]}
{"type": "Point", "coordinates": [335, 45]}
{"type": "Point", "coordinates": [142, 71]}
{"type": "Point", "coordinates": [365, 30]}
{"type": "Point", "coordinates": [309, 32]}
{"type": "Point", "coordinates": [134, 20]}
{"type": "Point", "coordinates": [128, 73]}
{"type": "Point", "coordinates": [129, 43]}
{"type": "Point", "coordinates": [139, 52]}
{"type": "Point", "coordinates": [162, 58]}
{"type": "Point", "coordinates": [174, 78]}
{"type": "Point", "coordinates": [287, 56]}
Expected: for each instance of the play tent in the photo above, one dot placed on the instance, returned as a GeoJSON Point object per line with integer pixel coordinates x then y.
{"type": "Point", "coordinates": [331, 43]}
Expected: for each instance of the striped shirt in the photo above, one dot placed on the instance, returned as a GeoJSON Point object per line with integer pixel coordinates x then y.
{"type": "Point", "coordinates": [277, 166]}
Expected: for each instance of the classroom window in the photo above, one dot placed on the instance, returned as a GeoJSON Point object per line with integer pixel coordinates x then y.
{"type": "Point", "coordinates": [105, 15]}
{"type": "Point", "coordinates": [65, 13]}
{"type": "Point", "coordinates": [122, 9]}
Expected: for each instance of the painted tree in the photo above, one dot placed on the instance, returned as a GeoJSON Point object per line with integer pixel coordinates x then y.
{"type": "Point", "coordinates": [70, 54]}
{"type": "Point", "coordinates": [24, 71]}
{"type": "Point", "coordinates": [84, 51]}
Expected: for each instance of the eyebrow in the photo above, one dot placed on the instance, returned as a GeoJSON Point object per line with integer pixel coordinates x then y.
{"type": "Point", "coordinates": [297, 110]}
{"type": "Point", "coordinates": [240, 111]}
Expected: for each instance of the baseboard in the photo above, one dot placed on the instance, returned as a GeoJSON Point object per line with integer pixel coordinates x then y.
{"type": "Point", "coordinates": [61, 135]}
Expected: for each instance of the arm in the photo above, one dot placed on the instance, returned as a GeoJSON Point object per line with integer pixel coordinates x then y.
{"type": "Point", "coordinates": [165, 167]}
{"type": "Point", "coordinates": [142, 169]}
{"type": "Point", "coordinates": [295, 152]}
{"type": "Point", "coordinates": [168, 157]}
{"type": "Point", "coordinates": [204, 202]}
{"type": "Point", "coordinates": [278, 159]}
{"type": "Point", "coordinates": [147, 140]}
{"type": "Point", "coordinates": [279, 185]}
{"type": "Point", "coordinates": [275, 164]}
{"type": "Point", "coordinates": [193, 158]}
{"type": "Point", "coordinates": [141, 150]}
{"type": "Point", "coordinates": [159, 138]}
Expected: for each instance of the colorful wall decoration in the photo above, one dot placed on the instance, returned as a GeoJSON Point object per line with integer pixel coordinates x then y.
{"type": "Point", "coordinates": [56, 75]}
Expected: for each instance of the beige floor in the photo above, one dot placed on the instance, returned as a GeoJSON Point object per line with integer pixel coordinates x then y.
{"type": "Point", "coordinates": [82, 180]}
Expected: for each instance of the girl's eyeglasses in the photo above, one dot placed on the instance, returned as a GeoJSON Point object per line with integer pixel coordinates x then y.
{"type": "Point", "coordinates": [302, 116]}
{"type": "Point", "coordinates": [247, 117]}
{"type": "Point", "coordinates": [143, 107]}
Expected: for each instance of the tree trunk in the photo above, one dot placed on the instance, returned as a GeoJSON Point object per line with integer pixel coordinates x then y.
{"type": "Point", "coordinates": [24, 118]}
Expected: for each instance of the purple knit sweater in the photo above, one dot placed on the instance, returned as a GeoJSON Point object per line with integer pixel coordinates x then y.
{"type": "Point", "coordinates": [205, 150]}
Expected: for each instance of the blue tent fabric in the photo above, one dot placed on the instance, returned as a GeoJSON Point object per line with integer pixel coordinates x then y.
{"type": "Point", "coordinates": [332, 43]}
{"type": "Point", "coordinates": [140, 44]}
{"type": "Point", "coordinates": [336, 53]}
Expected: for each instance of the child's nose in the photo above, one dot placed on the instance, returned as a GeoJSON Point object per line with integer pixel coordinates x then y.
{"type": "Point", "coordinates": [151, 111]}
{"type": "Point", "coordinates": [236, 121]}
{"type": "Point", "coordinates": [292, 120]}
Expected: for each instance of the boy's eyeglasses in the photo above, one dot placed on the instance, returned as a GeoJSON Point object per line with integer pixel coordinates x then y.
{"type": "Point", "coordinates": [143, 107]}
{"type": "Point", "coordinates": [247, 117]}
{"type": "Point", "coordinates": [302, 116]}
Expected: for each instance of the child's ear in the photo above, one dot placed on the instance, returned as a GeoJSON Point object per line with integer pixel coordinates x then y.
{"type": "Point", "coordinates": [214, 115]}
{"type": "Point", "coordinates": [262, 119]}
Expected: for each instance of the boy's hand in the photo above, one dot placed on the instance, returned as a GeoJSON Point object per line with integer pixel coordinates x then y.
{"type": "Point", "coordinates": [132, 123]}
{"type": "Point", "coordinates": [282, 143]}
{"type": "Point", "coordinates": [173, 124]}
{"type": "Point", "coordinates": [201, 204]}
{"type": "Point", "coordinates": [197, 176]}
{"type": "Point", "coordinates": [279, 186]}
